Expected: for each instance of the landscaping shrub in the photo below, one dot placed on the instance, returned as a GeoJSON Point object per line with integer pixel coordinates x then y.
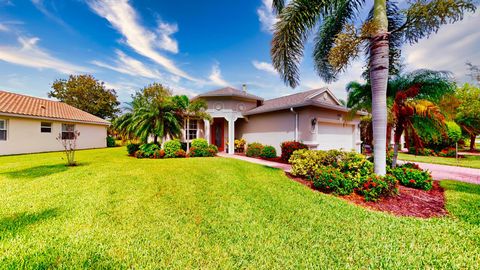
{"type": "Point", "coordinates": [110, 141]}
{"type": "Point", "coordinates": [149, 149]}
{"type": "Point", "coordinates": [448, 152]}
{"type": "Point", "coordinates": [421, 152]}
{"type": "Point", "coordinates": [306, 162]}
{"type": "Point", "coordinates": [454, 132]}
{"type": "Point", "coordinates": [199, 152]}
{"type": "Point", "coordinates": [139, 154]}
{"type": "Point", "coordinates": [180, 153]}
{"type": "Point", "coordinates": [159, 153]}
{"type": "Point", "coordinates": [414, 178]}
{"type": "Point", "coordinates": [268, 152]}
{"type": "Point", "coordinates": [171, 147]}
{"type": "Point", "coordinates": [329, 179]}
{"type": "Point", "coordinates": [375, 187]}
{"type": "Point", "coordinates": [213, 149]}
{"type": "Point", "coordinates": [132, 148]}
{"type": "Point", "coordinates": [289, 147]}
{"type": "Point", "coordinates": [240, 145]}
{"type": "Point", "coordinates": [200, 143]}
{"type": "Point", "coordinates": [254, 149]}
{"type": "Point", "coordinates": [410, 166]}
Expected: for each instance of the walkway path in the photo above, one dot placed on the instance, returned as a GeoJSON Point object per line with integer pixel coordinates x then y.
{"type": "Point", "coordinates": [439, 172]}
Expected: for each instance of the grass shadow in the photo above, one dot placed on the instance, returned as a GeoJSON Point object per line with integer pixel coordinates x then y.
{"type": "Point", "coordinates": [10, 226]}
{"type": "Point", "coordinates": [38, 171]}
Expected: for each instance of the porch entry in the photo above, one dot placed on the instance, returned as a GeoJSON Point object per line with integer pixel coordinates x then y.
{"type": "Point", "coordinates": [217, 133]}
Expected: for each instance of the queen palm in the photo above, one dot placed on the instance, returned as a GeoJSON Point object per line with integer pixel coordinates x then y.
{"type": "Point", "coordinates": [338, 41]}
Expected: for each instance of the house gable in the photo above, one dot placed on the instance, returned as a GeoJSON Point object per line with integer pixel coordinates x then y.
{"type": "Point", "coordinates": [325, 96]}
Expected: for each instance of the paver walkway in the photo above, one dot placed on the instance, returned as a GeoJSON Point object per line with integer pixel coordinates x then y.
{"type": "Point", "coordinates": [439, 172]}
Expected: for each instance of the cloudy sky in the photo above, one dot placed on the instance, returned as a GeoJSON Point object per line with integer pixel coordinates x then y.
{"type": "Point", "coordinates": [191, 46]}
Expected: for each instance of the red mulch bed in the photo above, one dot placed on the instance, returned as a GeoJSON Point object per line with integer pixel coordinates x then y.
{"type": "Point", "coordinates": [410, 202]}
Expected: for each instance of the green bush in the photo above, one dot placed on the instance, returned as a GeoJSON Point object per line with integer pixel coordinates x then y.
{"type": "Point", "coordinates": [213, 149]}
{"type": "Point", "coordinates": [268, 152]}
{"type": "Point", "coordinates": [180, 153]}
{"type": "Point", "coordinates": [414, 178]}
{"type": "Point", "coordinates": [110, 141]}
{"type": "Point", "coordinates": [289, 147]}
{"type": "Point", "coordinates": [199, 152]}
{"type": "Point", "coordinates": [306, 162]}
{"type": "Point", "coordinates": [375, 187]}
{"type": "Point", "coordinates": [200, 143]}
{"type": "Point", "coordinates": [254, 149]}
{"type": "Point", "coordinates": [139, 154]}
{"type": "Point", "coordinates": [149, 149]}
{"type": "Point", "coordinates": [159, 153]}
{"type": "Point", "coordinates": [171, 147]}
{"type": "Point", "coordinates": [329, 179]}
{"type": "Point", "coordinates": [454, 131]}
{"type": "Point", "coordinates": [132, 148]}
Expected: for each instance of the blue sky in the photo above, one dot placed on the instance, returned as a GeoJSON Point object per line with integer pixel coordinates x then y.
{"type": "Point", "coordinates": [191, 46]}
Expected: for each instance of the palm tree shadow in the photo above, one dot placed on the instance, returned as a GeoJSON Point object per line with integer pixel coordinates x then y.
{"type": "Point", "coordinates": [10, 226]}
{"type": "Point", "coordinates": [38, 171]}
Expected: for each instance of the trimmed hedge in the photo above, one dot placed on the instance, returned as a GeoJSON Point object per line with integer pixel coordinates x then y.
{"type": "Point", "coordinates": [268, 151]}
{"type": "Point", "coordinates": [171, 147]}
{"type": "Point", "coordinates": [254, 149]}
{"type": "Point", "coordinates": [289, 147]}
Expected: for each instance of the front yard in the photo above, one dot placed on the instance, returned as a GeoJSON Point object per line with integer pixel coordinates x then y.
{"type": "Point", "coordinates": [114, 211]}
{"type": "Point", "coordinates": [466, 161]}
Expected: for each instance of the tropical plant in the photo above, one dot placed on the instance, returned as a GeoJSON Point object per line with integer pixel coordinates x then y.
{"type": "Point", "coordinates": [171, 148]}
{"type": "Point", "coordinates": [468, 113]}
{"type": "Point", "coordinates": [152, 112]}
{"type": "Point", "coordinates": [338, 41]}
{"type": "Point", "coordinates": [69, 144]}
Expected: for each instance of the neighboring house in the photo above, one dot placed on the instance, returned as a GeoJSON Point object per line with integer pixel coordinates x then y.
{"type": "Point", "coordinates": [314, 117]}
{"type": "Point", "coordinates": [30, 124]}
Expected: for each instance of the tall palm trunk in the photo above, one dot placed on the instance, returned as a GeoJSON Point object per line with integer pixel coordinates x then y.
{"type": "Point", "coordinates": [472, 142]}
{"type": "Point", "coordinates": [379, 79]}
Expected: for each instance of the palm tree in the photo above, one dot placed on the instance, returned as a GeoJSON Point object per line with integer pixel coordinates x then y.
{"type": "Point", "coordinates": [338, 41]}
{"type": "Point", "coordinates": [409, 95]}
{"type": "Point", "coordinates": [195, 109]}
{"type": "Point", "coordinates": [153, 112]}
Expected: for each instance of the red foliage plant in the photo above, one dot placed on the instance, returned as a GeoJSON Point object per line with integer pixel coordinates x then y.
{"type": "Point", "coordinates": [289, 147]}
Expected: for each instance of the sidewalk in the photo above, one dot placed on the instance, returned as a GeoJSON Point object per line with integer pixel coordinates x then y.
{"type": "Point", "coordinates": [439, 172]}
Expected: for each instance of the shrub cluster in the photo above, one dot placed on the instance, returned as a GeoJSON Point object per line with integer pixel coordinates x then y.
{"type": "Point", "coordinates": [201, 148]}
{"type": "Point", "coordinates": [446, 152]}
{"type": "Point", "coordinates": [329, 179]}
{"type": "Point", "coordinates": [110, 141]}
{"type": "Point", "coordinates": [289, 147]}
{"type": "Point", "coordinates": [268, 151]}
{"type": "Point", "coordinates": [254, 149]}
{"type": "Point", "coordinates": [375, 187]}
{"type": "Point", "coordinates": [412, 177]}
{"type": "Point", "coordinates": [240, 145]}
{"type": "Point", "coordinates": [172, 149]}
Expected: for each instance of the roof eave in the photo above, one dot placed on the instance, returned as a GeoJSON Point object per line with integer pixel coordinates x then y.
{"type": "Point", "coordinates": [105, 123]}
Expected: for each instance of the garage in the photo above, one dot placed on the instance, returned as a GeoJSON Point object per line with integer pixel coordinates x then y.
{"type": "Point", "coordinates": [335, 136]}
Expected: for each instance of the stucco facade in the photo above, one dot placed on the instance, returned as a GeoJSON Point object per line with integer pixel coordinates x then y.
{"type": "Point", "coordinates": [314, 117]}
{"type": "Point", "coordinates": [23, 135]}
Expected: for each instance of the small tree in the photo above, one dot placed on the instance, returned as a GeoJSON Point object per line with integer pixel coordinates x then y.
{"type": "Point", "coordinates": [69, 144]}
{"type": "Point", "coordinates": [468, 113]}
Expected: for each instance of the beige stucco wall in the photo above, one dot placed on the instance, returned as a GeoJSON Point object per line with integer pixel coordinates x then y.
{"type": "Point", "coordinates": [24, 136]}
{"type": "Point", "coordinates": [276, 127]}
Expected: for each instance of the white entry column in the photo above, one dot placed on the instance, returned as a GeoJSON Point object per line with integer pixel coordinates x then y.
{"type": "Point", "coordinates": [231, 135]}
{"type": "Point", "coordinates": [206, 124]}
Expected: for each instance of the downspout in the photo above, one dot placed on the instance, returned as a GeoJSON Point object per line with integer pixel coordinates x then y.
{"type": "Point", "coordinates": [296, 124]}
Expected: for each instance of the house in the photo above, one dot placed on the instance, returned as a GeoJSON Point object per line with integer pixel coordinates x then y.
{"type": "Point", "coordinates": [315, 117]}
{"type": "Point", "coordinates": [29, 124]}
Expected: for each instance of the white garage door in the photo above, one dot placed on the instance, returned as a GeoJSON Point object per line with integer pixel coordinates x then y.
{"type": "Point", "coordinates": [335, 136]}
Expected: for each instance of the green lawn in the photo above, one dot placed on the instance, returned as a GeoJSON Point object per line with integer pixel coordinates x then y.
{"type": "Point", "coordinates": [467, 161]}
{"type": "Point", "coordinates": [114, 211]}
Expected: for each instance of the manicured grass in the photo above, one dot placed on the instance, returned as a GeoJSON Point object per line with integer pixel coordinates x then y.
{"type": "Point", "coordinates": [467, 161]}
{"type": "Point", "coordinates": [114, 211]}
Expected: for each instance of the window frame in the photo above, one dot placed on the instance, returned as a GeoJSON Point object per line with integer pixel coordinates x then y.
{"type": "Point", "coordinates": [190, 129]}
{"type": "Point", "coordinates": [48, 126]}
{"type": "Point", "coordinates": [66, 131]}
{"type": "Point", "coordinates": [5, 128]}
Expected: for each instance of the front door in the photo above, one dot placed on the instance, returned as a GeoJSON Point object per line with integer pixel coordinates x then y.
{"type": "Point", "coordinates": [217, 129]}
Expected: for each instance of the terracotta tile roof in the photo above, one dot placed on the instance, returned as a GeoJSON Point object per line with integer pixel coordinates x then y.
{"type": "Point", "coordinates": [229, 91]}
{"type": "Point", "coordinates": [11, 103]}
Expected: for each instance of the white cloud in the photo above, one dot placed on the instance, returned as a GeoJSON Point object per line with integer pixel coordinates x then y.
{"type": "Point", "coordinates": [124, 19]}
{"type": "Point", "coordinates": [4, 28]}
{"type": "Point", "coordinates": [449, 49]}
{"type": "Point", "coordinates": [130, 66]}
{"type": "Point", "coordinates": [264, 66]}
{"type": "Point", "coordinates": [266, 16]}
{"type": "Point", "coordinates": [216, 76]}
{"type": "Point", "coordinates": [30, 55]}
{"type": "Point", "coordinates": [166, 42]}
